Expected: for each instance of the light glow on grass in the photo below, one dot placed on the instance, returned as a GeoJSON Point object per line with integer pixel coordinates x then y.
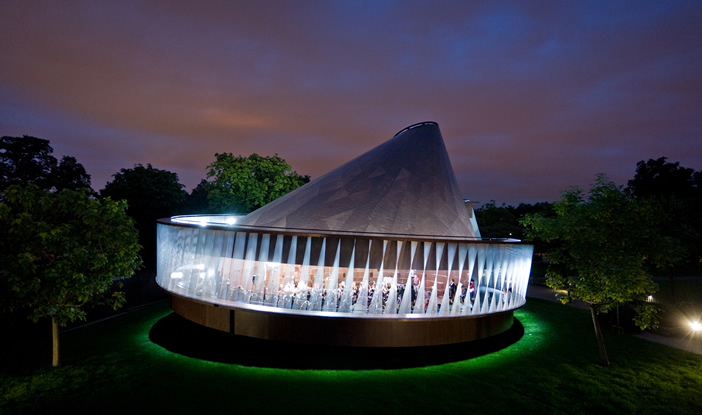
{"type": "Point", "coordinates": [551, 369]}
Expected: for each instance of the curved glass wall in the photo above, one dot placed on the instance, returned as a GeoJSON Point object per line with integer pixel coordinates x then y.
{"type": "Point", "coordinates": [209, 259]}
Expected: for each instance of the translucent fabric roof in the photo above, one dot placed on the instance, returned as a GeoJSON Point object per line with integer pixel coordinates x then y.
{"type": "Point", "coordinates": [405, 187]}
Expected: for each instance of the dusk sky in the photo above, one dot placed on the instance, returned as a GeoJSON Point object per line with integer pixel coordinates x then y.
{"type": "Point", "coordinates": [531, 97]}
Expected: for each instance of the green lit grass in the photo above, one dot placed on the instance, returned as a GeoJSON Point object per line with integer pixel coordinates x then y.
{"type": "Point", "coordinates": [114, 367]}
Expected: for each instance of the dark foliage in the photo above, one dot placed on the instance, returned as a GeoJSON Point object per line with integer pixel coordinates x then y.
{"type": "Point", "coordinates": [150, 194]}
{"type": "Point", "coordinates": [678, 193]}
{"type": "Point", "coordinates": [29, 160]}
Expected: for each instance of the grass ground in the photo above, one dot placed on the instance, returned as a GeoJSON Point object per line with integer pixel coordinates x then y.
{"type": "Point", "coordinates": [124, 365]}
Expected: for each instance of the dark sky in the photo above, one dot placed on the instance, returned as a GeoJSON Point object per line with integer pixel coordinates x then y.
{"type": "Point", "coordinates": [531, 97]}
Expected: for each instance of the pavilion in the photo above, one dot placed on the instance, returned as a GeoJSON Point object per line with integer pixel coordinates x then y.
{"type": "Point", "coordinates": [382, 251]}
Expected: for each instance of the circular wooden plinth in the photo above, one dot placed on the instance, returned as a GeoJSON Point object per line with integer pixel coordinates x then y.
{"type": "Point", "coordinates": [320, 328]}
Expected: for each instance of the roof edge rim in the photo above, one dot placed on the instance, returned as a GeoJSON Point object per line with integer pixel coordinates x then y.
{"type": "Point", "coordinates": [419, 124]}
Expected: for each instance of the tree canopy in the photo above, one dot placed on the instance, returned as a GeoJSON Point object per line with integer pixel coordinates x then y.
{"type": "Point", "coordinates": [498, 221]}
{"type": "Point", "coordinates": [69, 174]}
{"type": "Point", "coordinates": [29, 160]}
{"type": "Point", "coordinates": [678, 192]}
{"type": "Point", "coordinates": [197, 200]}
{"type": "Point", "coordinates": [503, 221]}
{"type": "Point", "coordinates": [661, 178]}
{"type": "Point", "coordinates": [149, 191]}
{"type": "Point", "coordinates": [61, 251]}
{"type": "Point", "coordinates": [603, 246]}
{"type": "Point", "coordinates": [244, 184]}
{"type": "Point", "coordinates": [150, 194]}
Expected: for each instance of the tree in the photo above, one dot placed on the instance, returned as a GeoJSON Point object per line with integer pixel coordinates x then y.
{"type": "Point", "coordinates": [678, 192]}
{"type": "Point", "coordinates": [197, 200]}
{"type": "Point", "coordinates": [150, 194]}
{"type": "Point", "coordinates": [244, 184]}
{"type": "Point", "coordinates": [504, 222]}
{"type": "Point", "coordinates": [603, 248]}
{"type": "Point", "coordinates": [498, 221]}
{"type": "Point", "coordinates": [660, 178]}
{"type": "Point", "coordinates": [61, 252]}
{"type": "Point", "coordinates": [69, 174]}
{"type": "Point", "coordinates": [25, 160]}
{"type": "Point", "coordinates": [29, 160]}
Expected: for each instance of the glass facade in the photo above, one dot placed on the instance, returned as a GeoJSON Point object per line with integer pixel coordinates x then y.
{"type": "Point", "coordinates": [210, 259]}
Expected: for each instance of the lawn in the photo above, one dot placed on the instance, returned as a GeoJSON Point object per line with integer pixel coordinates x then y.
{"type": "Point", "coordinates": [121, 365]}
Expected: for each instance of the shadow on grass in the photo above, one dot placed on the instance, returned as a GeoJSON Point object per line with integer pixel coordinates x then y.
{"type": "Point", "coordinates": [184, 337]}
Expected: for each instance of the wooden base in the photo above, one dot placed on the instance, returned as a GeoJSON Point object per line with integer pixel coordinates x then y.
{"type": "Point", "coordinates": [320, 328]}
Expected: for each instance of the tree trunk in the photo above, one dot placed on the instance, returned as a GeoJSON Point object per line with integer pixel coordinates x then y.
{"type": "Point", "coordinates": [55, 348]}
{"type": "Point", "coordinates": [604, 360]}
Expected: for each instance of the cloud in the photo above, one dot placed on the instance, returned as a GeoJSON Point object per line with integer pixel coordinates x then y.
{"type": "Point", "coordinates": [530, 97]}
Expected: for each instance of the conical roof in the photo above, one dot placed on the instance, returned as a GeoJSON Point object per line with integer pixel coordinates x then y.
{"type": "Point", "coordinates": [405, 186]}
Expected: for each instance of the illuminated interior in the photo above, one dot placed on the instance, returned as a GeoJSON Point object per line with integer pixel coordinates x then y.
{"type": "Point", "coordinates": [340, 274]}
